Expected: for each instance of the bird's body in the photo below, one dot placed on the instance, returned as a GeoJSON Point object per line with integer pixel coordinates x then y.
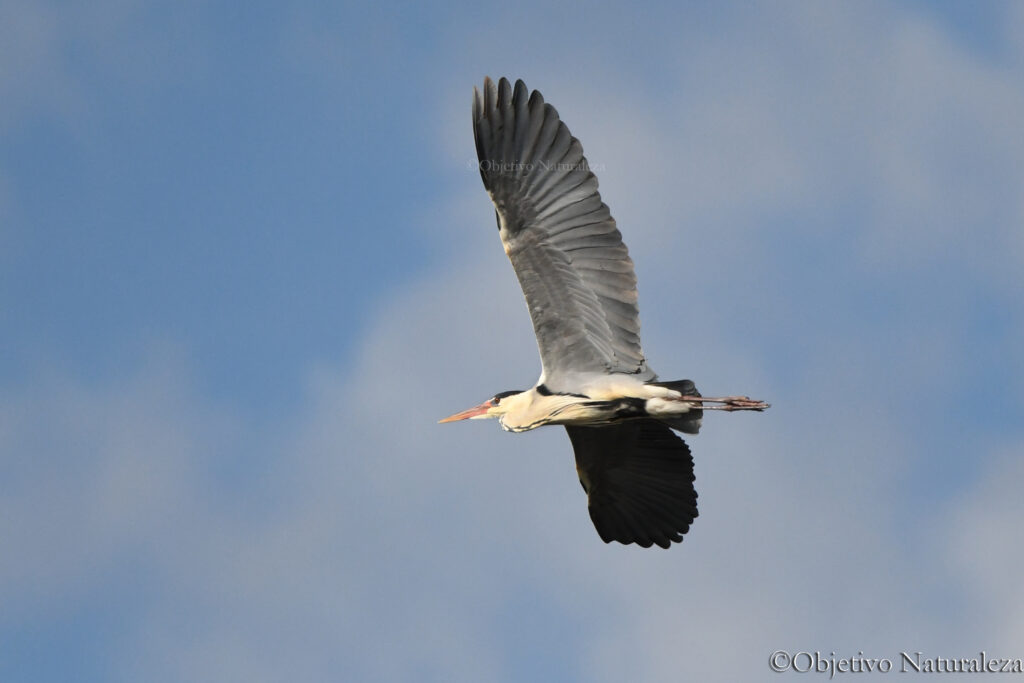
{"type": "Point", "coordinates": [598, 400]}
{"type": "Point", "coordinates": [580, 290]}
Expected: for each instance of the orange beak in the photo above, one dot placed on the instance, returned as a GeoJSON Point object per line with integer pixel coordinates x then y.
{"type": "Point", "coordinates": [469, 414]}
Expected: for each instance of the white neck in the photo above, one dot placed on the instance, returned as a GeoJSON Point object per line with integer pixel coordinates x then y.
{"type": "Point", "coordinates": [531, 409]}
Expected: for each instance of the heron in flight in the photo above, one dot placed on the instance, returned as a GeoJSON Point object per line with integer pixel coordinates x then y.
{"type": "Point", "coordinates": [580, 289]}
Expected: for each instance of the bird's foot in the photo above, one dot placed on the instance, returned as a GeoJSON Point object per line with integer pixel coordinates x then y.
{"type": "Point", "coordinates": [729, 403]}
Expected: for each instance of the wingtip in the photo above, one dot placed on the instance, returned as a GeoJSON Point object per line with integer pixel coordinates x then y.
{"type": "Point", "coordinates": [504, 93]}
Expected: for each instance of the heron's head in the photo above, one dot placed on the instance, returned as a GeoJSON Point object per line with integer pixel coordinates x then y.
{"type": "Point", "coordinates": [492, 407]}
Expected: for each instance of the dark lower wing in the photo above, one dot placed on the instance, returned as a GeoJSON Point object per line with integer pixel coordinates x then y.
{"type": "Point", "coordinates": [638, 476]}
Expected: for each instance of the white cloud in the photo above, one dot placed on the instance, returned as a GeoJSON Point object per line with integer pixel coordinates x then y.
{"type": "Point", "coordinates": [986, 554]}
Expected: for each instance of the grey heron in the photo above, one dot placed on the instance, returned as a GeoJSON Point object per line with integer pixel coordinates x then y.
{"type": "Point", "coordinates": [580, 289]}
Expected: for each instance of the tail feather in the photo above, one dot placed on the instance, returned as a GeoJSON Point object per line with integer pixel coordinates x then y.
{"type": "Point", "coordinates": [691, 421]}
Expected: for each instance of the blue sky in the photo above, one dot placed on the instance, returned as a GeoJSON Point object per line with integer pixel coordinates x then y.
{"type": "Point", "coordinates": [245, 265]}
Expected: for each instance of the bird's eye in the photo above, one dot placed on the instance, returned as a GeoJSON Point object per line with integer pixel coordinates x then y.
{"type": "Point", "coordinates": [497, 397]}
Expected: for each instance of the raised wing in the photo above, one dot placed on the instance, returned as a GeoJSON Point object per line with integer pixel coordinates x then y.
{"type": "Point", "coordinates": [569, 257]}
{"type": "Point", "coordinates": [638, 476]}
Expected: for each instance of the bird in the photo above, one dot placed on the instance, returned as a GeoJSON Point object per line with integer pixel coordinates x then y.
{"type": "Point", "coordinates": [581, 292]}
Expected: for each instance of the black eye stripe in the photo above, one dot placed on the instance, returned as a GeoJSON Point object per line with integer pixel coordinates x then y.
{"type": "Point", "coordinates": [498, 397]}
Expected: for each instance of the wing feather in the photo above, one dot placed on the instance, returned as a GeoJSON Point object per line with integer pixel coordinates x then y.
{"type": "Point", "coordinates": [575, 272]}
{"type": "Point", "coordinates": [638, 476]}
